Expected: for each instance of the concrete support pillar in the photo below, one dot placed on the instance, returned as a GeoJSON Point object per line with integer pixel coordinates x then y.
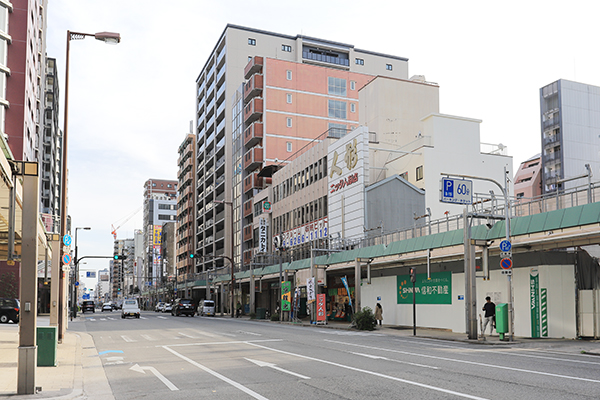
{"type": "Point", "coordinates": [357, 286]}
{"type": "Point", "coordinates": [55, 280]}
{"type": "Point", "coordinates": [28, 290]}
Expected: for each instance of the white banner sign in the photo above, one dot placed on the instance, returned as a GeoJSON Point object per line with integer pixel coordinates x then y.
{"type": "Point", "coordinates": [262, 236]}
{"type": "Point", "coordinates": [310, 290]}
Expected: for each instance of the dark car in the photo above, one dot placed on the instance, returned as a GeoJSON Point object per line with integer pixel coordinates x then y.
{"type": "Point", "coordinates": [9, 310]}
{"type": "Point", "coordinates": [183, 306]}
{"type": "Point", "coordinates": [88, 305]}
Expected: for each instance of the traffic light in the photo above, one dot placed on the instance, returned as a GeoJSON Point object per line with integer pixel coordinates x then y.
{"type": "Point", "coordinates": [191, 255]}
{"type": "Point", "coordinates": [413, 275]}
{"type": "Point", "coordinates": [119, 257]}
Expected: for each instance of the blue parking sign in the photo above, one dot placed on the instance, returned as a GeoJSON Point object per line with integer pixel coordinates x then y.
{"type": "Point", "coordinates": [448, 188]}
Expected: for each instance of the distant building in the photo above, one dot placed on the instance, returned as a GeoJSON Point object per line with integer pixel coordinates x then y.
{"type": "Point", "coordinates": [528, 179]}
{"type": "Point", "coordinates": [160, 206]}
{"type": "Point", "coordinates": [186, 204]}
{"type": "Point", "coordinates": [122, 273]}
{"type": "Point", "coordinates": [103, 286]}
{"type": "Point", "coordinates": [570, 122]}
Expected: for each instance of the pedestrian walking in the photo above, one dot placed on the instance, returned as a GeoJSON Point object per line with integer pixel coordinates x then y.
{"type": "Point", "coordinates": [490, 313]}
{"type": "Point", "coordinates": [379, 313]}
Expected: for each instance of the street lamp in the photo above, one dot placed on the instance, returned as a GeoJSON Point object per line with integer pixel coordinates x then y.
{"type": "Point", "coordinates": [109, 38]}
{"type": "Point", "coordinates": [230, 204]}
{"type": "Point", "coordinates": [76, 275]}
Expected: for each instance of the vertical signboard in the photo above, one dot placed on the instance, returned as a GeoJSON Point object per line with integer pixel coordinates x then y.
{"type": "Point", "coordinates": [534, 302]}
{"type": "Point", "coordinates": [321, 311]}
{"type": "Point", "coordinates": [262, 235]}
{"type": "Point", "coordinates": [310, 290]}
{"type": "Point", "coordinates": [286, 296]}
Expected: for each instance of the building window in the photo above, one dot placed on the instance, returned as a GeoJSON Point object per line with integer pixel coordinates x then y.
{"type": "Point", "coordinates": [287, 48]}
{"type": "Point", "coordinates": [289, 75]}
{"type": "Point", "coordinates": [337, 86]}
{"type": "Point", "coordinates": [252, 42]}
{"type": "Point", "coordinates": [388, 67]}
{"type": "Point", "coordinates": [337, 130]}
{"type": "Point", "coordinates": [352, 107]}
{"type": "Point", "coordinates": [359, 61]}
{"type": "Point", "coordinates": [419, 173]}
{"type": "Point", "coordinates": [520, 195]}
{"type": "Point", "coordinates": [337, 109]}
{"type": "Point", "coordinates": [289, 147]}
{"type": "Point", "coordinates": [289, 122]}
{"type": "Point", "coordinates": [352, 85]}
{"type": "Point", "coordinates": [404, 176]}
{"type": "Point", "coordinates": [289, 98]}
{"type": "Point", "coordinates": [249, 58]}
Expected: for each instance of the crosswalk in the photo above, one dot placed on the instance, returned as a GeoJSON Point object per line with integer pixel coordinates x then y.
{"type": "Point", "coordinates": [165, 337]}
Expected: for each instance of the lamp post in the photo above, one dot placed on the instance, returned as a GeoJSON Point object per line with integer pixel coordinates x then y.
{"type": "Point", "coordinates": [76, 275]}
{"type": "Point", "coordinates": [109, 38]}
{"type": "Point", "coordinates": [230, 204]}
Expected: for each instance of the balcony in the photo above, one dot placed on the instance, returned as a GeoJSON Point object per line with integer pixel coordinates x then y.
{"type": "Point", "coordinates": [248, 232]}
{"type": "Point", "coordinates": [253, 66]}
{"type": "Point", "coordinates": [326, 58]}
{"type": "Point", "coordinates": [253, 158]}
{"type": "Point", "coordinates": [253, 181]}
{"type": "Point", "coordinates": [253, 87]}
{"type": "Point", "coordinates": [248, 208]}
{"type": "Point", "coordinates": [247, 257]}
{"type": "Point", "coordinates": [253, 110]}
{"type": "Point", "coordinates": [551, 139]}
{"type": "Point", "coordinates": [253, 134]}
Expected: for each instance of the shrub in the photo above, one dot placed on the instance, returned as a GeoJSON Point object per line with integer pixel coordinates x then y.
{"type": "Point", "coordinates": [275, 317]}
{"type": "Point", "coordinates": [252, 315]}
{"type": "Point", "coordinates": [364, 320]}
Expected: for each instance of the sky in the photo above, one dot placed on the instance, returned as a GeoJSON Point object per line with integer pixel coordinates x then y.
{"type": "Point", "coordinates": [130, 105]}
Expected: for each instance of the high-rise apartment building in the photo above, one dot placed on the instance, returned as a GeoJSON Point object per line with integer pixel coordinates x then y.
{"type": "Point", "coordinates": [570, 122]}
{"type": "Point", "coordinates": [24, 76]}
{"type": "Point", "coordinates": [186, 203]}
{"type": "Point", "coordinates": [122, 270]}
{"type": "Point", "coordinates": [261, 97]}
{"type": "Point", "coordinates": [50, 193]}
{"type": "Point", "coordinates": [160, 206]}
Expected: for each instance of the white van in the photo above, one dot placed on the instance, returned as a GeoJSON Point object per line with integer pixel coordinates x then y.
{"type": "Point", "coordinates": [207, 307]}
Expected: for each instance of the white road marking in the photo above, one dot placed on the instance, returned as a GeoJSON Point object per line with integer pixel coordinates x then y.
{"type": "Point", "coordinates": [275, 367]}
{"type": "Point", "coordinates": [187, 336]}
{"type": "Point", "coordinates": [114, 361]}
{"type": "Point", "coordinates": [468, 362]}
{"type": "Point", "coordinates": [143, 317]}
{"type": "Point", "coordinates": [227, 343]}
{"type": "Point", "coordinates": [217, 375]}
{"type": "Point", "coordinates": [207, 334]}
{"type": "Point", "coordinates": [91, 319]}
{"type": "Point", "coordinates": [102, 319]}
{"type": "Point", "coordinates": [228, 334]}
{"type": "Point", "coordinates": [160, 376]}
{"type": "Point", "coordinates": [148, 337]}
{"type": "Point", "coordinates": [347, 333]}
{"type": "Point", "coordinates": [438, 389]}
{"type": "Point", "coordinates": [389, 359]}
{"type": "Point", "coordinates": [111, 319]}
{"type": "Point", "coordinates": [128, 339]}
{"type": "Point", "coordinates": [250, 333]}
{"type": "Point", "coordinates": [161, 317]}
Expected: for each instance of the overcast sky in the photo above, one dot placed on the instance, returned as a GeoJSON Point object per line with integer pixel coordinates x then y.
{"type": "Point", "coordinates": [130, 105]}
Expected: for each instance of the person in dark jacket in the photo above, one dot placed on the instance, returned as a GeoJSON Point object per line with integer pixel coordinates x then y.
{"type": "Point", "coordinates": [490, 312]}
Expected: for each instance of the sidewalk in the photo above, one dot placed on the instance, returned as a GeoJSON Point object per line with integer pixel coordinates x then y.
{"type": "Point", "coordinates": [79, 372]}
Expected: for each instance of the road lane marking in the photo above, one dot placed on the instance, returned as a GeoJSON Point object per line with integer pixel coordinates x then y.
{"type": "Point", "coordinates": [206, 334]}
{"type": "Point", "coordinates": [143, 317]}
{"type": "Point", "coordinates": [438, 389]}
{"type": "Point", "coordinates": [217, 375]}
{"type": "Point", "coordinates": [161, 317]}
{"type": "Point", "coordinates": [510, 352]}
{"type": "Point", "coordinates": [226, 342]}
{"type": "Point", "coordinates": [390, 359]}
{"type": "Point", "coordinates": [187, 336]}
{"type": "Point", "coordinates": [128, 339]}
{"type": "Point", "coordinates": [160, 376]}
{"type": "Point", "coordinates": [250, 333]}
{"type": "Point", "coordinates": [468, 362]}
{"type": "Point", "coordinates": [275, 367]}
{"type": "Point", "coordinates": [148, 337]}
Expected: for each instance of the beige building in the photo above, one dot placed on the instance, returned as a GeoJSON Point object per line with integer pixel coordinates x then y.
{"type": "Point", "coordinates": [186, 201]}
{"type": "Point", "coordinates": [528, 179]}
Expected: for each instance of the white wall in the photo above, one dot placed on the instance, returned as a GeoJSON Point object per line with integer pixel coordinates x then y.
{"type": "Point", "coordinates": [559, 280]}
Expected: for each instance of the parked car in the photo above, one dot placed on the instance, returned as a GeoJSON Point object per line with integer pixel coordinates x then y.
{"type": "Point", "coordinates": [207, 307]}
{"type": "Point", "coordinates": [9, 310]}
{"type": "Point", "coordinates": [160, 306]}
{"type": "Point", "coordinates": [183, 306]}
{"type": "Point", "coordinates": [168, 307]}
{"type": "Point", "coordinates": [130, 308]}
{"type": "Point", "coordinates": [88, 305]}
{"type": "Point", "coordinates": [107, 306]}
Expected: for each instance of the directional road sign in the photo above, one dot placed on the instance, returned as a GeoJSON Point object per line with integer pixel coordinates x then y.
{"type": "Point", "coordinates": [458, 191]}
{"type": "Point", "coordinates": [505, 245]}
{"type": "Point", "coordinates": [506, 263]}
{"type": "Point", "coordinates": [67, 240]}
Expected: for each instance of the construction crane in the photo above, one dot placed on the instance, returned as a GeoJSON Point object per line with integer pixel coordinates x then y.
{"type": "Point", "coordinates": [114, 230]}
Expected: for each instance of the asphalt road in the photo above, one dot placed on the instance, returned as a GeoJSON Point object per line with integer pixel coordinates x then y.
{"type": "Point", "coordinates": [163, 357]}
